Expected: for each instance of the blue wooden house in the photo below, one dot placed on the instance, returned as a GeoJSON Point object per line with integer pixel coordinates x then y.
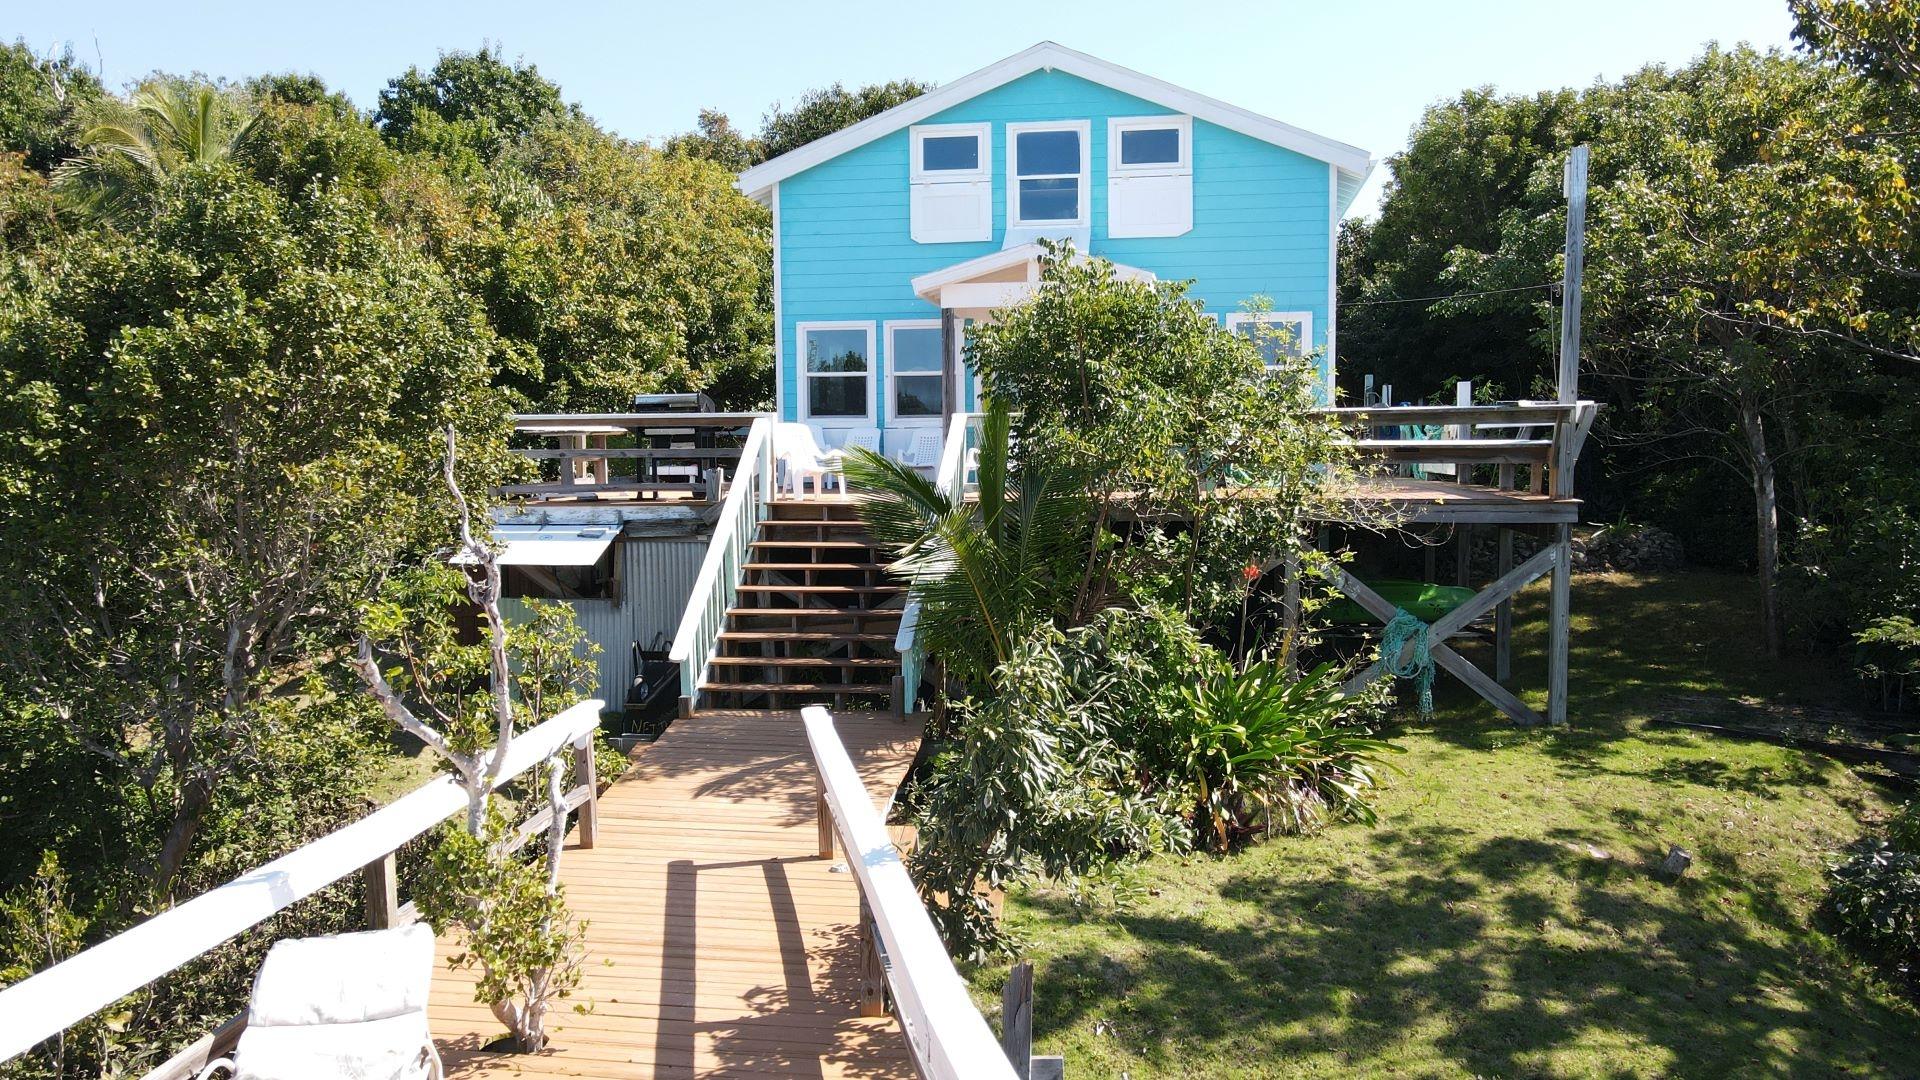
{"type": "Point", "coordinates": [893, 235]}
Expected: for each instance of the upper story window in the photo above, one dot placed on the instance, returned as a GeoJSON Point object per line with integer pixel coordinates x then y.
{"type": "Point", "coordinates": [1047, 174]}
{"type": "Point", "coordinates": [1274, 333]}
{"type": "Point", "coordinates": [1149, 175]}
{"type": "Point", "coordinates": [838, 362]}
{"type": "Point", "coordinates": [951, 171]}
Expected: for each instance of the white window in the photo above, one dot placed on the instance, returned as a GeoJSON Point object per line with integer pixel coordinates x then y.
{"type": "Point", "coordinates": [837, 362]}
{"type": "Point", "coordinates": [916, 376]}
{"type": "Point", "coordinates": [1275, 333]}
{"type": "Point", "coordinates": [951, 170]}
{"type": "Point", "coordinates": [1047, 174]}
{"type": "Point", "coordinates": [1149, 176]}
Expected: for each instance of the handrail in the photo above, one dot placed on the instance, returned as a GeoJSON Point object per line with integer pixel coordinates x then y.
{"type": "Point", "coordinates": [39, 1007]}
{"type": "Point", "coordinates": [951, 480]}
{"type": "Point", "coordinates": [1470, 435]}
{"type": "Point", "coordinates": [946, 1035]}
{"type": "Point", "coordinates": [718, 582]}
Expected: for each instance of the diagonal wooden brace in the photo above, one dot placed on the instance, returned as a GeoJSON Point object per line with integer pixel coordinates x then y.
{"type": "Point", "coordinates": [1452, 623]}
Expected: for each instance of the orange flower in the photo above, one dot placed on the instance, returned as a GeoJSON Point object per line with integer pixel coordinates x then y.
{"type": "Point", "coordinates": [1251, 573]}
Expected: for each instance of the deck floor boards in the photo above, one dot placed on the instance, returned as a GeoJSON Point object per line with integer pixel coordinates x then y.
{"type": "Point", "coordinates": [718, 943]}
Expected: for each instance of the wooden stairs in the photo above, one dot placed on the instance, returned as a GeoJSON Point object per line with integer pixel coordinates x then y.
{"type": "Point", "coordinates": [815, 619]}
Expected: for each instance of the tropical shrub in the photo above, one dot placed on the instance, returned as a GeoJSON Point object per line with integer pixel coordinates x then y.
{"type": "Point", "coordinates": [1874, 899]}
{"type": "Point", "coordinates": [1261, 749]}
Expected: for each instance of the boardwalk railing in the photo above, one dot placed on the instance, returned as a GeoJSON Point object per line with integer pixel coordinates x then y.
{"type": "Point", "coordinates": [718, 583]}
{"type": "Point", "coordinates": [37, 1008]}
{"type": "Point", "coordinates": [952, 480]}
{"type": "Point", "coordinates": [946, 1035]}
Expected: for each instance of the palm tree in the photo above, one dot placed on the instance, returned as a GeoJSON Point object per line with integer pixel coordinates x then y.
{"type": "Point", "coordinates": [129, 148]}
{"type": "Point", "coordinates": [983, 571]}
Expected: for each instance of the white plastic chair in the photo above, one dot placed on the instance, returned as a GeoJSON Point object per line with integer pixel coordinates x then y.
{"type": "Point", "coordinates": [923, 452]}
{"type": "Point", "coordinates": [800, 455]}
{"type": "Point", "coordinates": [346, 1005]}
{"type": "Point", "coordinates": [866, 438]}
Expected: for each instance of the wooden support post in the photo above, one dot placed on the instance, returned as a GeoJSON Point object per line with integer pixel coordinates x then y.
{"type": "Point", "coordinates": [1290, 615]}
{"type": "Point", "coordinates": [1462, 554]}
{"type": "Point", "coordinates": [1503, 613]}
{"type": "Point", "coordinates": [873, 969]}
{"type": "Point", "coordinates": [586, 776]}
{"type": "Point", "coordinates": [823, 815]}
{"type": "Point", "coordinates": [1016, 1019]}
{"type": "Point", "coordinates": [1572, 276]}
{"type": "Point", "coordinates": [383, 893]}
{"type": "Point", "coordinates": [1560, 627]}
{"type": "Point", "coordinates": [1432, 553]}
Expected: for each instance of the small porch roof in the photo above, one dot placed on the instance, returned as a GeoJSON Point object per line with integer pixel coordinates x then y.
{"type": "Point", "coordinates": [997, 279]}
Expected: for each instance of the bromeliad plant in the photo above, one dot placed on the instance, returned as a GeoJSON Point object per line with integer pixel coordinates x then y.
{"type": "Point", "coordinates": [1263, 749]}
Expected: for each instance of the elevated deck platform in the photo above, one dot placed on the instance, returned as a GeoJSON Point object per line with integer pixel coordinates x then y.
{"type": "Point", "coordinates": [718, 942]}
{"type": "Point", "coordinates": [1413, 501]}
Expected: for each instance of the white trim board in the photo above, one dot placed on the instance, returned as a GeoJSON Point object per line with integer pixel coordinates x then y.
{"type": "Point", "coordinates": [758, 181]}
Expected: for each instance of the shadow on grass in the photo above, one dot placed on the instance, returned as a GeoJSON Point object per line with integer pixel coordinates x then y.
{"type": "Point", "coordinates": [1511, 957]}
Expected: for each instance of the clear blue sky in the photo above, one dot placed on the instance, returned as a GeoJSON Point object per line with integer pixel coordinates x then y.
{"type": "Point", "coordinates": [1360, 71]}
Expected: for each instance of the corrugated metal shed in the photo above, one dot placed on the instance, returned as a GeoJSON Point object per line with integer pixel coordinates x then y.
{"type": "Point", "coordinates": [656, 577]}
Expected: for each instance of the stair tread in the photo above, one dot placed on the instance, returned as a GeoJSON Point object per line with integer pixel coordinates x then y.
{"type": "Point", "coordinates": [836, 566]}
{"type": "Point", "coordinates": [822, 589]}
{"type": "Point", "coordinates": [818, 612]}
{"type": "Point", "coordinates": [805, 661]}
{"type": "Point", "coordinates": [798, 688]}
{"type": "Point", "coordinates": [819, 545]}
{"type": "Point", "coordinates": [803, 635]}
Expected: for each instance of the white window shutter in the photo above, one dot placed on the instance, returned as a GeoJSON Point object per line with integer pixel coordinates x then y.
{"type": "Point", "coordinates": [1150, 205]}
{"type": "Point", "coordinates": [948, 213]}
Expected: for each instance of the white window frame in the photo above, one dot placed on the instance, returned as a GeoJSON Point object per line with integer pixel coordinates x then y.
{"type": "Point", "coordinates": [1085, 177]}
{"type": "Point", "coordinates": [920, 133]}
{"type": "Point", "coordinates": [1119, 124]}
{"type": "Point", "coordinates": [800, 331]}
{"type": "Point", "coordinates": [1236, 319]}
{"type": "Point", "coordinates": [893, 399]}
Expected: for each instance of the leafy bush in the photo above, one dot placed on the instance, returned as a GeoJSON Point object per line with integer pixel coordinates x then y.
{"type": "Point", "coordinates": [1261, 749]}
{"type": "Point", "coordinates": [1875, 904]}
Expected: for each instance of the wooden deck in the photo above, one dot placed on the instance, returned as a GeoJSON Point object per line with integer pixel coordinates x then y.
{"type": "Point", "coordinates": [718, 943]}
{"type": "Point", "coordinates": [1412, 501]}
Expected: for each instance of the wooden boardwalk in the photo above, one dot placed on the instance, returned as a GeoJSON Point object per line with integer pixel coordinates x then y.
{"type": "Point", "coordinates": [718, 942]}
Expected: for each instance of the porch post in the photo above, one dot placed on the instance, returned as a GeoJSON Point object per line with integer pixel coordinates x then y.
{"type": "Point", "coordinates": [951, 381]}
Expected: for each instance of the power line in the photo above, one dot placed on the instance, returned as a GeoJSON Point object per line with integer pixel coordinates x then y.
{"type": "Point", "coordinates": [1454, 296]}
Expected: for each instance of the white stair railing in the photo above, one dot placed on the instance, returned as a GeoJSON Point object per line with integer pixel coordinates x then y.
{"type": "Point", "coordinates": [951, 478]}
{"type": "Point", "coordinates": [41, 1006]}
{"type": "Point", "coordinates": [718, 584]}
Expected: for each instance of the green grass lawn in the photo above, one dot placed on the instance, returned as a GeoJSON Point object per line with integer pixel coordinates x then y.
{"type": "Point", "coordinates": [1504, 919]}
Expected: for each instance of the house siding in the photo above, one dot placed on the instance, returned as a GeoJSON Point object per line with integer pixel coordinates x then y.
{"type": "Point", "coordinates": [1262, 225]}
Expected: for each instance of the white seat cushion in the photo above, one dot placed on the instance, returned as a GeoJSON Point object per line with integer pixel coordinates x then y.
{"type": "Point", "coordinates": [343, 978]}
{"type": "Point", "coordinates": [390, 1048]}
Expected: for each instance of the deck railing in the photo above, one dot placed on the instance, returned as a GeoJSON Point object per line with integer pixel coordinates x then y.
{"type": "Point", "coordinates": [718, 584]}
{"type": "Point", "coordinates": [946, 1035]}
{"type": "Point", "coordinates": [677, 454]}
{"type": "Point", "coordinates": [45, 1004]}
{"type": "Point", "coordinates": [1543, 436]}
{"type": "Point", "coordinates": [952, 480]}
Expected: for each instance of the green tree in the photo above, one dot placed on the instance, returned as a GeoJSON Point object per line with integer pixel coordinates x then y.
{"type": "Point", "coordinates": [226, 422]}
{"type": "Point", "coordinates": [39, 99]}
{"type": "Point", "coordinates": [1880, 38]}
{"type": "Point", "coordinates": [821, 112]}
{"type": "Point", "coordinates": [128, 149]}
{"type": "Point", "coordinates": [488, 101]}
{"type": "Point", "coordinates": [715, 139]}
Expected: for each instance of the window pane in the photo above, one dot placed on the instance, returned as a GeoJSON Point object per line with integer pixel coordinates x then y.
{"type": "Point", "coordinates": [916, 349]}
{"type": "Point", "coordinates": [1150, 146]}
{"type": "Point", "coordinates": [1273, 339]}
{"type": "Point", "coordinates": [1044, 153]}
{"type": "Point", "coordinates": [1049, 200]}
{"type": "Point", "coordinates": [837, 395]}
{"type": "Point", "coordinates": [837, 350]}
{"type": "Point", "coordinates": [939, 152]}
{"type": "Point", "coordinates": [917, 395]}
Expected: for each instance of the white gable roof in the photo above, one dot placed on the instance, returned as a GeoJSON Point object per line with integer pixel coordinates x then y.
{"type": "Point", "coordinates": [1352, 162]}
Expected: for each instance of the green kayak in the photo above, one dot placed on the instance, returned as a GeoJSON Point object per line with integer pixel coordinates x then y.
{"type": "Point", "coordinates": [1423, 600]}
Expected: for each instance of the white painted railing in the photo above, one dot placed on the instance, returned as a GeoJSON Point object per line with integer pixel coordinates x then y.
{"type": "Point", "coordinates": [40, 1007]}
{"type": "Point", "coordinates": [947, 1036]}
{"type": "Point", "coordinates": [951, 480]}
{"type": "Point", "coordinates": [718, 584]}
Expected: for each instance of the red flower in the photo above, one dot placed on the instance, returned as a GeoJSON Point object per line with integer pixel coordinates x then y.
{"type": "Point", "coordinates": [1251, 573]}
